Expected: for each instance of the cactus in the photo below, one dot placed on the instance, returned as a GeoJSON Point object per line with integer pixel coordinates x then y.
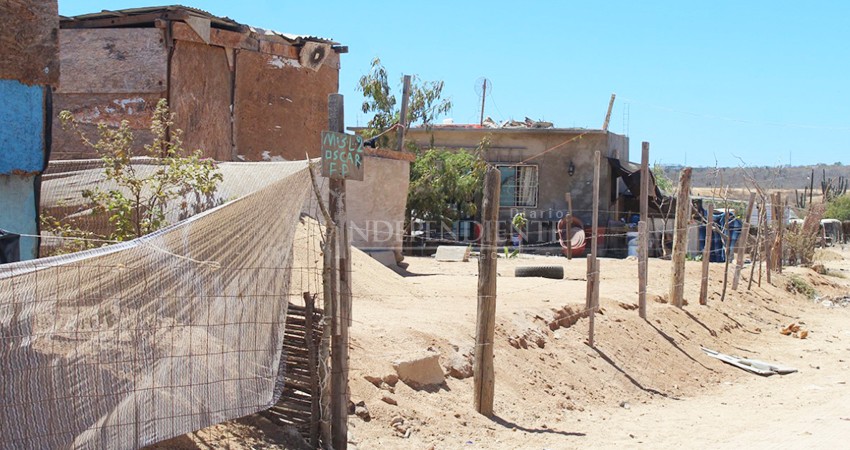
{"type": "Point", "coordinates": [831, 188]}
{"type": "Point", "coordinates": [801, 198]}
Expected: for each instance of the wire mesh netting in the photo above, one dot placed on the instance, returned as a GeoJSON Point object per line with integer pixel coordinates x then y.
{"type": "Point", "coordinates": [133, 343]}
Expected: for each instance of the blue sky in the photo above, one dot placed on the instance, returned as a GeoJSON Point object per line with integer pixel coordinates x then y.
{"type": "Point", "coordinates": [706, 83]}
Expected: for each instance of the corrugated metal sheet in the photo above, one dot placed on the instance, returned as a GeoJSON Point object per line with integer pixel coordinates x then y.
{"type": "Point", "coordinates": [215, 21]}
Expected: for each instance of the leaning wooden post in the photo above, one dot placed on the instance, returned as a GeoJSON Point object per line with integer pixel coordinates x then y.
{"type": "Point", "coordinates": [742, 245]}
{"type": "Point", "coordinates": [680, 238]}
{"type": "Point", "coordinates": [569, 221]}
{"type": "Point", "coordinates": [485, 326]}
{"type": "Point", "coordinates": [706, 255]}
{"type": "Point", "coordinates": [643, 233]}
{"type": "Point", "coordinates": [340, 393]}
{"type": "Point", "coordinates": [592, 302]}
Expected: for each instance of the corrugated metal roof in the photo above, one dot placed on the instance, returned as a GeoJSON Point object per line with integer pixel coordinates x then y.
{"type": "Point", "coordinates": [215, 21]}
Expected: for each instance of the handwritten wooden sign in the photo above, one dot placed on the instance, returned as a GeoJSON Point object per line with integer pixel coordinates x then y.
{"type": "Point", "coordinates": [342, 156]}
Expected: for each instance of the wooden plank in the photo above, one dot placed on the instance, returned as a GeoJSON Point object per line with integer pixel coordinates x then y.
{"type": "Point", "coordinates": [706, 256]}
{"type": "Point", "coordinates": [200, 98]}
{"type": "Point", "coordinates": [680, 238]}
{"type": "Point", "coordinates": [91, 109]}
{"type": "Point", "coordinates": [30, 42]}
{"type": "Point", "coordinates": [281, 108]}
{"type": "Point", "coordinates": [485, 326]}
{"type": "Point", "coordinates": [742, 240]}
{"type": "Point", "coordinates": [643, 239]}
{"type": "Point", "coordinates": [113, 61]}
{"type": "Point", "coordinates": [279, 49]}
{"type": "Point", "coordinates": [218, 37]}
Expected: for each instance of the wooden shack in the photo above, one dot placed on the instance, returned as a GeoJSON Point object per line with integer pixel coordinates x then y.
{"type": "Point", "coordinates": [238, 93]}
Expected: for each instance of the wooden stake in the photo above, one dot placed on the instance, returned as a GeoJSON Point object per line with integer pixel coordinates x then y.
{"type": "Point", "coordinates": [742, 246]}
{"type": "Point", "coordinates": [592, 265]}
{"type": "Point", "coordinates": [341, 279]}
{"type": "Point", "coordinates": [569, 225]}
{"type": "Point", "coordinates": [680, 238]}
{"type": "Point", "coordinates": [402, 119]}
{"type": "Point", "coordinates": [706, 255]}
{"type": "Point", "coordinates": [485, 326]}
{"type": "Point", "coordinates": [643, 234]}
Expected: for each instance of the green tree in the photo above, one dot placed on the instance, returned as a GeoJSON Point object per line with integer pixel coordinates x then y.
{"type": "Point", "coordinates": [445, 185]}
{"type": "Point", "coordinates": [139, 196]}
{"type": "Point", "coordinates": [425, 104]}
{"type": "Point", "coordinates": [838, 208]}
{"type": "Point", "coordinates": [661, 180]}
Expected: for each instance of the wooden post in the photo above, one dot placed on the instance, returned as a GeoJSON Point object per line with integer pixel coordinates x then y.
{"type": "Point", "coordinates": [592, 302]}
{"type": "Point", "coordinates": [341, 273]}
{"type": "Point", "coordinates": [706, 255]}
{"type": "Point", "coordinates": [643, 260]}
{"type": "Point", "coordinates": [742, 246]}
{"type": "Point", "coordinates": [569, 225]}
{"type": "Point", "coordinates": [783, 203]}
{"type": "Point", "coordinates": [643, 232]}
{"type": "Point", "coordinates": [313, 362]}
{"type": "Point", "coordinates": [402, 119]}
{"type": "Point", "coordinates": [757, 256]}
{"type": "Point", "coordinates": [485, 326]}
{"type": "Point", "coordinates": [680, 238]}
{"type": "Point", "coordinates": [328, 293]}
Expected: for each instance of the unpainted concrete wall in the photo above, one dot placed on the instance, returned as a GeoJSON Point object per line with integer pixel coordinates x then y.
{"type": "Point", "coordinates": [377, 204]}
{"type": "Point", "coordinates": [551, 151]}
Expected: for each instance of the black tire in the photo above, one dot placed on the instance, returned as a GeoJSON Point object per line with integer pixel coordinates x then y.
{"type": "Point", "coordinates": [554, 272]}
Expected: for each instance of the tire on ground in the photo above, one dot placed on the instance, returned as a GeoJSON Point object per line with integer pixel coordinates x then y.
{"type": "Point", "coordinates": [554, 272]}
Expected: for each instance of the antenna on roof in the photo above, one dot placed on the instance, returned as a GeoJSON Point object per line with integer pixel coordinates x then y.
{"type": "Point", "coordinates": [482, 85]}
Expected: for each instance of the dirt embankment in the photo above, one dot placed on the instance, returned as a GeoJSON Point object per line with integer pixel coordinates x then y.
{"type": "Point", "coordinates": [644, 382]}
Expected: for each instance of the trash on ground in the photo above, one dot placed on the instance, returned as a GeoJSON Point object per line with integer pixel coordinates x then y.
{"type": "Point", "coordinates": [750, 365]}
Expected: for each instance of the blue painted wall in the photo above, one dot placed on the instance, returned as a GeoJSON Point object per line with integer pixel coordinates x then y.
{"type": "Point", "coordinates": [18, 212]}
{"type": "Point", "coordinates": [21, 128]}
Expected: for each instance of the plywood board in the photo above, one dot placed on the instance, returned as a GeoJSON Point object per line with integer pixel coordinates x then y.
{"type": "Point", "coordinates": [29, 41]}
{"type": "Point", "coordinates": [91, 109]}
{"type": "Point", "coordinates": [113, 61]}
{"type": "Point", "coordinates": [200, 98]}
{"type": "Point", "coordinates": [280, 107]}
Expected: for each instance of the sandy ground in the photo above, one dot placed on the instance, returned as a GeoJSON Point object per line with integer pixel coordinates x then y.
{"type": "Point", "coordinates": [646, 383]}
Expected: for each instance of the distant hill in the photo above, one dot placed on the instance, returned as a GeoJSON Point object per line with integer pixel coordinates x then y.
{"type": "Point", "coordinates": [776, 177]}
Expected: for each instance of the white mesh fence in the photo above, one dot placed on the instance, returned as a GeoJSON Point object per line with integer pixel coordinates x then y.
{"type": "Point", "coordinates": [130, 344]}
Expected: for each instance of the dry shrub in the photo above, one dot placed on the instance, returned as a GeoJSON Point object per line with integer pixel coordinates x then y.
{"type": "Point", "coordinates": [800, 241]}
